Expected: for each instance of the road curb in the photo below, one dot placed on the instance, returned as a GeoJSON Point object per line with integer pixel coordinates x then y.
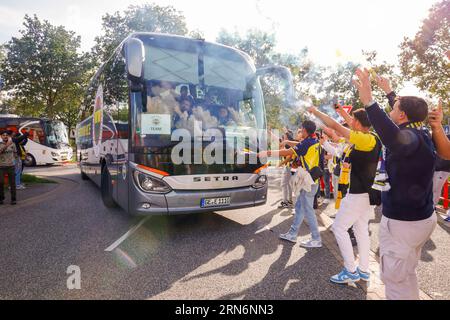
{"type": "Point", "coordinates": [64, 185]}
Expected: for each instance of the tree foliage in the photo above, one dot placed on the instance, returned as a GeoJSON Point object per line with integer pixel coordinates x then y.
{"type": "Point", "coordinates": [313, 83]}
{"type": "Point", "coordinates": [423, 58]}
{"type": "Point", "coordinates": [337, 81]}
{"type": "Point", "coordinates": [258, 44]}
{"type": "Point", "coordinates": [142, 18]}
{"type": "Point", "coordinates": [43, 71]}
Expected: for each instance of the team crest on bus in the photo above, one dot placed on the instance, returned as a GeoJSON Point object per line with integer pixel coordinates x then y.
{"type": "Point", "coordinates": [98, 121]}
{"type": "Point", "coordinates": [124, 171]}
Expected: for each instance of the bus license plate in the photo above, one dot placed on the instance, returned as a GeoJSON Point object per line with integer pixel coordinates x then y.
{"type": "Point", "coordinates": [216, 202]}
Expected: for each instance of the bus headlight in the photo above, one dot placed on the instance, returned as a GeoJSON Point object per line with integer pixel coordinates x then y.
{"type": "Point", "coordinates": [260, 182]}
{"type": "Point", "coordinates": [150, 184]}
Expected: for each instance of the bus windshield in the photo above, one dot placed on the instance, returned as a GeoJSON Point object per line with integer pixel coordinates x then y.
{"type": "Point", "coordinates": [194, 86]}
{"type": "Point", "coordinates": [56, 134]}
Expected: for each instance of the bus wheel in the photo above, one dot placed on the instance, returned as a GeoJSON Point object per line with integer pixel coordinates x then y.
{"type": "Point", "coordinates": [29, 161]}
{"type": "Point", "coordinates": [106, 188]}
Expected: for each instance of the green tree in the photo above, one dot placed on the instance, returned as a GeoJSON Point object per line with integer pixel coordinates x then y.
{"type": "Point", "coordinates": [259, 45]}
{"type": "Point", "coordinates": [423, 59]}
{"type": "Point", "coordinates": [2, 54]}
{"type": "Point", "coordinates": [142, 18]}
{"type": "Point", "coordinates": [337, 82]}
{"type": "Point", "coordinates": [44, 72]}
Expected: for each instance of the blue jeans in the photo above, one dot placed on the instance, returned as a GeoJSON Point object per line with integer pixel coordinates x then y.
{"type": "Point", "coordinates": [304, 208]}
{"type": "Point", "coordinates": [327, 181]}
{"type": "Point", "coordinates": [18, 171]}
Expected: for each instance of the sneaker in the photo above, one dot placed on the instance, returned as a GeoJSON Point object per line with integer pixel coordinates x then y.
{"type": "Point", "coordinates": [20, 187]}
{"type": "Point", "coordinates": [311, 244]}
{"type": "Point", "coordinates": [13, 202]}
{"type": "Point", "coordinates": [283, 205]}
{"type": "Point", "coordinates": [345, 277]}
{"type": "Point", "coordinates": [288, 237]}
{"type": "Point", "coordinates": [447, 219]}
{"type": "Point", "coordinates": [365, 276]}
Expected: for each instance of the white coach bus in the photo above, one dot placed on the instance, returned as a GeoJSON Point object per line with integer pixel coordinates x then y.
{"type": "Point", "coordinates": [48, 141]}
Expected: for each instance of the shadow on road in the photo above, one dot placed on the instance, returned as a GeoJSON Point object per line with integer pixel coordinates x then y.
{"type": "Point", "coordinates": [177, 252]}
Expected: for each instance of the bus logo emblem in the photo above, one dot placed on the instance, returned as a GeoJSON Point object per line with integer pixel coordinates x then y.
{"type": "Point", "coordinates": [217, 179]}
{"type": "Point", "coordinates": [124, 171]}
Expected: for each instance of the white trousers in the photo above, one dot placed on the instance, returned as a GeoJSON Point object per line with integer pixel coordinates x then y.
{"type": "Point", "coordinates": [355, 211]}
{"type": "Point", "coordinates": [335, 182]}
{"type": "Point", "coordinates": [401, 245]}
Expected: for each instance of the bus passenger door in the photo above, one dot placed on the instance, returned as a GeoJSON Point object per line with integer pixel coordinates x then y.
{"type": "Point", "coordinates": [123, 176]}
{"type": "Point", "coordinates": [116, 100]}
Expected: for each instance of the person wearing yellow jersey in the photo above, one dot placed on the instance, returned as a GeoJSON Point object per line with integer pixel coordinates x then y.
{"type": "Point", "coordinates": [308, 152]}
{"type": "Point", "coordinates": [356, 208]}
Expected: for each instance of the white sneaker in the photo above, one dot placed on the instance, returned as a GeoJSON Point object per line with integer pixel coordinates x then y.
{"type": "Point", "coordinates": [20, 187]}
{"type": "Point", "coordinates": [311, 244]}
{"type": "Point", "coordinates": [288, 237]}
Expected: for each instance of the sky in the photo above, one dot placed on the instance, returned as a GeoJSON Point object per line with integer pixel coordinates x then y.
{"type": "Point", "coordinates": [333, 31]}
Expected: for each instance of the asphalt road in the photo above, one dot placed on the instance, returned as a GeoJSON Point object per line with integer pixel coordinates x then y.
{"type": "Point", "coordinates": [231, 255]}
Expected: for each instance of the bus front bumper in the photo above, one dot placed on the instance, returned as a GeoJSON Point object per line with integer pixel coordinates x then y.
{"type": "Point", "coordinates": [185, 202]}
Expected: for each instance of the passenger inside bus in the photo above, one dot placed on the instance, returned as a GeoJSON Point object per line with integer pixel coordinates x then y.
{"type": "Point", "coordinates": [226, 117]}
{"type": "Point", "coordinates": [162, 98]}
{"type": "Point", "coordinates": [219, 108]}
{"type": "Point", "coordinates": [182, 113]}
{"type": "Point", "coordinates": [184, 94]}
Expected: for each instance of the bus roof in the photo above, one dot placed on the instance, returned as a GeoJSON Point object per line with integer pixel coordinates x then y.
{"type": "Point", "coordinates": [182, 40]}
{"type": "Point", "coordinates": [9, 116]}
{"type": "Point", "coordinates": [15, 117]}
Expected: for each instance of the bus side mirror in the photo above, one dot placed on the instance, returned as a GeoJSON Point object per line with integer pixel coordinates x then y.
{"type": "Point", "coordinates": [135, 57]}
{"type": "Point", "coordinates": [281, 72]}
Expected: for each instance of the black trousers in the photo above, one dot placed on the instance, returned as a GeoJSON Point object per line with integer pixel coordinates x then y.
{"type": "Point", "coordinates": [10, 171]}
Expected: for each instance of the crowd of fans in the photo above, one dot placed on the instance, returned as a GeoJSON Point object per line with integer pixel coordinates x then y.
{"type": "Point", "coordinates": [374, 159]}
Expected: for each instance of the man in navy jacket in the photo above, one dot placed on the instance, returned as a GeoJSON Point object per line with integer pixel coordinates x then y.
{"type": "Point", "coordinates": [408, 210]}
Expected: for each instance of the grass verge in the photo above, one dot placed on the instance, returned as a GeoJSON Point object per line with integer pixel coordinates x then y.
{"type": "Point", "coordinates": [28, 178]}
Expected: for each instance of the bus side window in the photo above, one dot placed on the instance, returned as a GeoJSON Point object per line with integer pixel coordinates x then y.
{"type": "Point", "coordinates": [116, 94]}
{"type": "Point", "coordinates": [36, 133]}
